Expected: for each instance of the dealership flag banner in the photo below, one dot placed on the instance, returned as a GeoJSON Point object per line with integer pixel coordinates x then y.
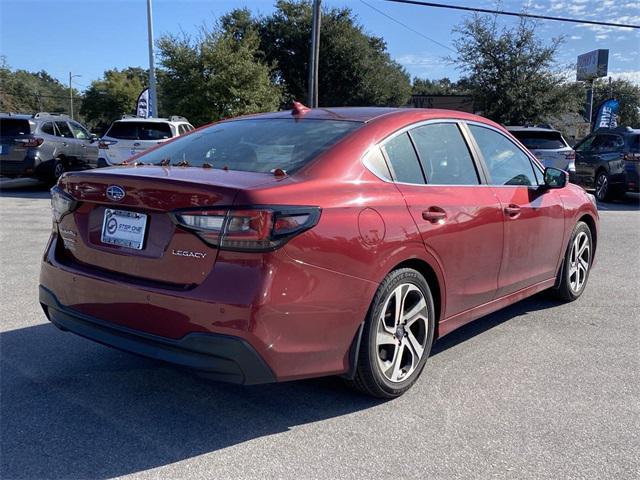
{"type": "Point", "coordinates": [144, 108]}
{"type": "Point", "coordinates": [607, 114]}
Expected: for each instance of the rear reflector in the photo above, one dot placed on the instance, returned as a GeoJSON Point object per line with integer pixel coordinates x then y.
{"type": "Point", "coordinates": [255, 229]}
{"type": "Point", "coordinates": [632, 157]}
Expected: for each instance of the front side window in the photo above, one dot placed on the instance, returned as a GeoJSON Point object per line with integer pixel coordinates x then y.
{"type": "Point", "coordinates": [608, 143]}
{"type": "Point", "coordinates": [444, 154]}
{"type": "Point", "coordinates": [64, 130]}
{"type": "Point", "coordinates": [507, 164]}
{"type": "Point", "coordinates": [79, 132]}
{"type": "Point", "coordinates": [403, 160]}
{"type": "Point", "coordinates": [256, 145]}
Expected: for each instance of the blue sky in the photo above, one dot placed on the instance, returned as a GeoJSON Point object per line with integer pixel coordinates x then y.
{"type": "Point", "coordinates": [89, 36]}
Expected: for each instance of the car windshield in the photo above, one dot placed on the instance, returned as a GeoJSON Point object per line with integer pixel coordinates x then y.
{"type": "Point", "coordinates": [14, 127]}
{"type": "Point", "coordinates": [256, 145]}
{"type": "Point", "coordinates": [540, 140]}
{"type": "Point", "coordinates": [139, 131]}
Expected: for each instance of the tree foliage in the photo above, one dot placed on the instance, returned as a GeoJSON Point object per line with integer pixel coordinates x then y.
{"type": "Point", "coordinates": [112, 96]}
{"type": "Point", "coordinates": [510, 71]}
{"type": "Point", "coordinates": [443, 86]}
{"type": "Point", "coordinates": [29, 92]}
{"type": "Point", "coordinates": [354, 67]}
{"type": "Point", "coordinates": [216, 75]}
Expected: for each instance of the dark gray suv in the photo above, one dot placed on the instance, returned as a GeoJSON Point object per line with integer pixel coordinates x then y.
{"type": "Point", "coordinates": [44, 146]}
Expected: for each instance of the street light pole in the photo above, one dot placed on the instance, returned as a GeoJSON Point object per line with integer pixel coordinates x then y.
{"type": "Point", "coordinates": [152, 70]}
{"type": "Point", "coordinates": [71, 93]}
{"type": "Point", "coordinates": [314, 58]}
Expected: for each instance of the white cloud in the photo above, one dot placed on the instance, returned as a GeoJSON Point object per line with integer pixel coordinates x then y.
{"type": "Point", "coordinates": [632, 76]}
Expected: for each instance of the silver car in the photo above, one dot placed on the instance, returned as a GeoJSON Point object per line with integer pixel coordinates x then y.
{"type": "Point", "coordinates": [547, 145]}
{"type": "Point", "coordinates": [44, 146]}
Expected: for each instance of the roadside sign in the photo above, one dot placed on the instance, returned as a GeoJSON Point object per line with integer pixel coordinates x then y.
{"type": "Point", "coordinates": [592, 65]}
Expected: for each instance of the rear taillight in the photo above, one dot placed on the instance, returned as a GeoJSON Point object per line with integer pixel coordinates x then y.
{"type": "Point", "coordinates": [632, 157]}
{"type": "Point", "coordinates": [104, 144]}
{"type": "Point", "coordinates": [61, 203]}
{"type": "Point", "coordinates": [30, 142]}
{"type": "Point", "coordinates": [255, 229]}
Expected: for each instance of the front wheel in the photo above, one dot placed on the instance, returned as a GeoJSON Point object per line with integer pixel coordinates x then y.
{"type": "Point", "coordinates": [603, 187]}
{"type": "Point", "coordinates": [397, 336]}
{"type": "Point", "coordinates": [577, 264]}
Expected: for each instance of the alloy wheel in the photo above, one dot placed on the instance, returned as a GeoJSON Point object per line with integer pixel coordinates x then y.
{"type": "Point", "coordinates": [602, 185]}
{"type": "Point", "coordinates": [402, 332]}
{"type": "Point", "coordinates": [579, 262]}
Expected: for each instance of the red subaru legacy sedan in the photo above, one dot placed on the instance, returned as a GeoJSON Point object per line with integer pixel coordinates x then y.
{"type": "Point", "coordinates": [304, 243]}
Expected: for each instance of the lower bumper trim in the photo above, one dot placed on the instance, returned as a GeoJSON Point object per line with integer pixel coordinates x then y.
{"type": "Point", "coordinates": [219, 357]}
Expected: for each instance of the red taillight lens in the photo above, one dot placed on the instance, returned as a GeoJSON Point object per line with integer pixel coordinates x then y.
{"type": "Point", "coordinates": [632, 157]}
{"type": "Point", "coordinates": [104, 144]}
{"type": "Point", "coordinates": [249, 229]}
{"type": "Point", "coordinates": [33, 142]}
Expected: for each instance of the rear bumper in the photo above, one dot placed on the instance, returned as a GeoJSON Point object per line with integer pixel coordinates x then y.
{"type": "Point", "coordinates": [27, 167]}
{"type": "Point", "coordinates": [220, 357]}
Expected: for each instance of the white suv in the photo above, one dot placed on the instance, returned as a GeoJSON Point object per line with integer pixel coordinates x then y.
{"type": "Point", "coordinates": [132, 135]}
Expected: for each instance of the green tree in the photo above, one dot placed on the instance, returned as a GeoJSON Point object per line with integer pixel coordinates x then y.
{"type": "Point", "coordinates": [627, 94]}
{"type": "Point", "coordinates": [354, 67]}
{"type": "Point", "coordinates": [30, 92]}
{"type": "Point", "coordinates": [443, 86]}
{"type": "Point", "coordinates": [112, 96]}
{"type": "Point", "coordinates": [510, 71]}
{"type": "Point", "coordinates": [217, 75]}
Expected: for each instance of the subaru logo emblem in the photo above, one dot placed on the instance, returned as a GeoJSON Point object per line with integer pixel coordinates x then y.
{"type": "Point", "coordinates": [115, 193]}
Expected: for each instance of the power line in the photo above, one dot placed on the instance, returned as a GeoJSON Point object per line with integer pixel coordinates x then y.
{"type": "Point", "coordinates": [514, 14]}
{"type": "Point", "coordinates": [407, 26]}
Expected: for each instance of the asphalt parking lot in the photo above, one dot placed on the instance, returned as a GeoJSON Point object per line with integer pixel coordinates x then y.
{"type": "Point", "coordinates": [539, 390]}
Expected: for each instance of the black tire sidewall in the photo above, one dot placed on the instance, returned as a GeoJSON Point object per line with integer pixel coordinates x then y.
{"type": "Point", "coordinates": [394, 279]}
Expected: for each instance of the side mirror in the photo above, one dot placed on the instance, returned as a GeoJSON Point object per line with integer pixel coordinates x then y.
{"type": "Point", "coordinates": [554, 178]}
{"type": "Point", "coordinates": [93, 138]}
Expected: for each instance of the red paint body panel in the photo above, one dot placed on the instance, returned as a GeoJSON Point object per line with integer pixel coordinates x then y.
{"type": "Point", "coordinates": [300, 306]}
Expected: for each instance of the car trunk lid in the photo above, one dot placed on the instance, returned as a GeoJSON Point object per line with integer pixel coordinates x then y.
{"type": "Point", "coordinates": [168, 253]}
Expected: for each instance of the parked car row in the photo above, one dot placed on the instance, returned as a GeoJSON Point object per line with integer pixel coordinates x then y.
{"type": "Point", "coordinates": [45, 145]}
{"type": "Point", "coordinates": [607, 160]}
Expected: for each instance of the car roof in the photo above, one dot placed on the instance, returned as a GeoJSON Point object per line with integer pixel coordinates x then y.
{"type": "Point", "coordinates": [19, 116]}
{"type": "Point", "coordinates": [515, 128]}
{"type": "Point", "coordinates": [369, 114]}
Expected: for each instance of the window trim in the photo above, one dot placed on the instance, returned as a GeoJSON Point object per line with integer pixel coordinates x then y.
{"type": "Point", "coordinates": [532, 160]}
{"type": "Point", "coordinates": [466, 136]}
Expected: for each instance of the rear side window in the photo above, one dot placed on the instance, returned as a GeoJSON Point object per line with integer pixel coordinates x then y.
{"type": "Point", "coordinates": [64, 130]}
{"type": "Point", "coordinates": [444, 154]}
{"type": "Point", "coordinates": [507, 164]}
{"type": "Point", "coordinates": [540, 140]}
{"type": "Point", "coordinates": [634, 143]}
{"type": "Point", "coordinates": [14, 127]}
{"type": "Point", "coordinates": [258, 145]}
{"type": "Point", "coordinates": [403, 160]}
{"type": "Point", "coordinates": [48, 128]}
{"type": "Point", "coordinates": [140, 131]}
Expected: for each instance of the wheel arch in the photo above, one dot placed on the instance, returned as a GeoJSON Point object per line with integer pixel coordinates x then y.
{"type": "Point", "coordinates": [591, 223]}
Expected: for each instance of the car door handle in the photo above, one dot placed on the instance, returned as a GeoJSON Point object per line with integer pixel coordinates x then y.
{"type": "Point", "coordinates": [512, 210]}
{"type": "Point", "coordinates": [434, 214]}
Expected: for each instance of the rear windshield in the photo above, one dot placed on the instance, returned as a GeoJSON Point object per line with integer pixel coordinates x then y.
{"type": "Point", "coordinates": [634, 143]}
{"type": "Point", "coordinates": [14, 127]}
{"type": "Point", "coordinates": [254, 145]}
{"type": "Point", "coordinates": [139, 131]}
{"type": "Point", "coordinates": [540, 140]}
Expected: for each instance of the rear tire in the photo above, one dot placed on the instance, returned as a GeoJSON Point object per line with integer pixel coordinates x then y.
{"type": "Point", "coordinates": [577, 264]}
{"type": "Point", "coordinates": [397, 335]}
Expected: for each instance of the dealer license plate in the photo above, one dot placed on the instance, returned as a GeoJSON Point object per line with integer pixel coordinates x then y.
{"type": "Point", "coordinates": [124, 228]}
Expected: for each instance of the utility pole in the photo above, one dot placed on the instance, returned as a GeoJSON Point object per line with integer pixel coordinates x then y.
{"type": "Point", "coordinates": [153, 99]}
{"type": "Point", "coordinates": [71, 93]}
{"type": "Point", "coordinates": [314, 58]}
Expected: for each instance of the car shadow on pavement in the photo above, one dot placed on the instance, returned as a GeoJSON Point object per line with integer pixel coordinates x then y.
{"type": "Point", "coordinates": [629, 203]}
{"type": "Point", "coordinates": [39, 191]}
{"type": "Point", "coordinates": [71, 408]}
